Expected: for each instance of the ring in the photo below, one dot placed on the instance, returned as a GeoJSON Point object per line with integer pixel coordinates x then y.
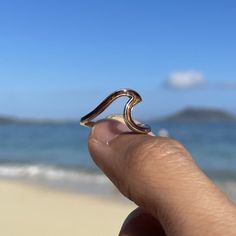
{"type": "Point", "coordinates": [134, 98]}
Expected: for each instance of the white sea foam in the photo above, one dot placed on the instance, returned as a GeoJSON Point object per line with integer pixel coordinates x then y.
{"type": "Point", "coordinates": [50, 173]}
{"type": "Point", "coordinates": [63, 178]}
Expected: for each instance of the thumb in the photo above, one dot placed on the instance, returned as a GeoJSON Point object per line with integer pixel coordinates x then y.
{"type": "Point", "coordinates": [159, 175]}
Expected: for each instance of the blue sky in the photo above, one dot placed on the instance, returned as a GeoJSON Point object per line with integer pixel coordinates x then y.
{"type": "Point", "coordinates": [59, 59]}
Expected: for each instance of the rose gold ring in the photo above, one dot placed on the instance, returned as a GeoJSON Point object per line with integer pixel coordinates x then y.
{"type": "Point", "coordinates": [134, 98]}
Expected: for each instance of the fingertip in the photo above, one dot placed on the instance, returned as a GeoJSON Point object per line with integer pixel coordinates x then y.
{"type": "Point", "coordinates": [102, 133]}
{"type": "Point", "coordinates": [98, 152]}
{"type": "Point", "coordinates": [106, 130]}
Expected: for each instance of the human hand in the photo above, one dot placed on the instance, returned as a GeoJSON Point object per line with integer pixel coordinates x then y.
{"type": "Point", "coordinates": [174, 196]}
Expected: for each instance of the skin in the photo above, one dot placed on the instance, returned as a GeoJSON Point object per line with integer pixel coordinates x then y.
{"type": "Point", "coordinates": [174, 197]}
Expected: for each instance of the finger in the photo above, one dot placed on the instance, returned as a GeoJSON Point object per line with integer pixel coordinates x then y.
{"type": "Point", "coordinates": [159, 175]}
{"type": "Point", "coordinates": [141, 223]}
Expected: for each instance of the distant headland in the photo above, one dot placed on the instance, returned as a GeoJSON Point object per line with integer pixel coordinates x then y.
{"type": "Point", "coordinates": [200, 114]}
{"type": "Point", "coordinates": [16, 120]}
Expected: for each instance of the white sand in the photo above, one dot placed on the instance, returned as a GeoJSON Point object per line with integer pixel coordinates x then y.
{"type": "Point", "coordinates": [33, 211]}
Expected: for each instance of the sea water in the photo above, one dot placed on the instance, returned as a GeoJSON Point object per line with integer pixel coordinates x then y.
{"type": "Point", "coordinates": [57, 154]}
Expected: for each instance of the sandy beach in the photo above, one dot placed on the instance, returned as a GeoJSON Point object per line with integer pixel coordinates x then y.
{"type": "Point", "coordinates": [36, 211]}
{"type": "Point", "coordinates": [33, 210]}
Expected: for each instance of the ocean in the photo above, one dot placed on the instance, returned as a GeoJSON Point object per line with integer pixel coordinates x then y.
{"type": "Point", "coordinates": [56, 155]}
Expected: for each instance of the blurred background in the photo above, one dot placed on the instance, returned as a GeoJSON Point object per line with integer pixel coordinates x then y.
{"type": "Point", "coordinates": [60, 59]}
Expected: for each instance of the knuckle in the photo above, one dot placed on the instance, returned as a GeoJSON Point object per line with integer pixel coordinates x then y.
{"type": "Point", "coordinates": [137, 158]}
{"type": "Point", "coordinates": [142, 151]}
{"type": "Point", "coordinates": [155, 149]}
{"type": "Point", "coordinates": [169, 147]}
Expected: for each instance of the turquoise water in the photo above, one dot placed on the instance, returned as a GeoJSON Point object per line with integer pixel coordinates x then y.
{"type": "Point", "coordinates": [58, 153]}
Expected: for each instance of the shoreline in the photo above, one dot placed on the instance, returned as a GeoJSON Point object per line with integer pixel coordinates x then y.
{"type": "Point", "coordinates": [28, 209]}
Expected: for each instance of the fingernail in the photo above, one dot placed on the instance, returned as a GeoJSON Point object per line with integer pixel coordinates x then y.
{"type": "Point", "coordinates": [105, 131]}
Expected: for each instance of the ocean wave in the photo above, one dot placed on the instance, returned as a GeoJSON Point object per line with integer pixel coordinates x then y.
{"type": "Point", "coordinates": [50, 173]}
{"type": "Point", "coordinates": [75, 180]}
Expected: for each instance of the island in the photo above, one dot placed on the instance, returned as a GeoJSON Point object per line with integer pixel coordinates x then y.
{"type": "Point", "coordinates": [191, 114]}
